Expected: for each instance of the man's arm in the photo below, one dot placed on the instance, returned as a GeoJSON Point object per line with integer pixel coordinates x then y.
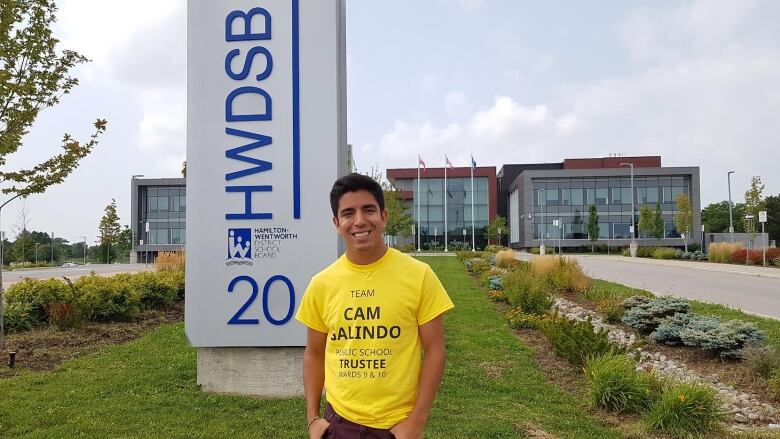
{"type": "Point", "coordinates": [432, 337]}
{"type": "Point", "coordinates": [314, 380]}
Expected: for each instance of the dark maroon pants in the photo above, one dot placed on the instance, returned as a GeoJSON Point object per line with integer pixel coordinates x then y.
{"type": "Point", "coordinates": [341, 428]}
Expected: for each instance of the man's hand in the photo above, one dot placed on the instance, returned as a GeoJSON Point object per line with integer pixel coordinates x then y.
{"type": "Point", "coordinates": [317, 428]}
{"type": "Point", "coordinates": [408, 429]}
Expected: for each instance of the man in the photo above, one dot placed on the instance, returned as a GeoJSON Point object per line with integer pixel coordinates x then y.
{"type": "Point", "coordinates": [368, 316]}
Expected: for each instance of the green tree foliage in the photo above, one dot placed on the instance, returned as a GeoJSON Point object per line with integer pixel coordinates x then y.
{"type": "Point", "coordinates": [715, 217]}
{"type": "Point", "coordinates": [773, 217]}
{"type": "Point", "coordinates": [593, 226]}
{"type": "Point", "coordinates": [34, 75]}
{"type": "Point", "coordinates": [399, 223]}
{"type": "Point", "coordinates": [491, 231]}
{"type": "Point", "coordinates": [109, 229]}
{"type": "Point", "coordinates": [646, 219]}
{"type": "Point", "coordinates": [658, 222]}
{"type": "Point", "coordinates": [754, 203]}
{"type": "Point", "coordinates": [683, 217]}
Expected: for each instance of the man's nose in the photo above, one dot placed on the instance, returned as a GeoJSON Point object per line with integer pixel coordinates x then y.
{"type": "Point", "coordinates": [360, 218]}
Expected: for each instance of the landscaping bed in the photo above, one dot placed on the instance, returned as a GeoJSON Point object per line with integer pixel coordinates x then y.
{"type": "Point", "coordinates": [694, 399]}
{"type": "Point", "coordinates": [46, 348]}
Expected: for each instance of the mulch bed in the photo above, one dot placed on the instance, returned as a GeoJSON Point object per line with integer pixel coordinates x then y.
{"type": "Point", "coordinates": [44, 349]}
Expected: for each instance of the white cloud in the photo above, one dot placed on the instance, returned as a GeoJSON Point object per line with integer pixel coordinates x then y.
{"type": "Point", "coordinates": [456, 103]}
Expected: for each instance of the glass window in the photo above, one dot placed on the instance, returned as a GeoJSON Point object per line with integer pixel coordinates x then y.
{"type": "Point", "coordinates": [652, 195]}
{"type": "Point", "coordinates": [616, 192]}
{"type": "Point", "coordinates": [677, 190]}
{"type": "Point", "coordinates": [625, 195]}
{"type": "Point", "coordinates": [590, 196]}
{"type": "Point", "coordinates": [602, 195]}
{"type": "Point", "coordinates": [667, 191]}
{"type": "Point", "coordinates": [576, 197]}
{"type": "Point", "coordinates": [552, 196]}
{"type": "Point", "coordinates": [565, 197]}
{"type": "Point", "coordinates": [604, 230]}
{"type": "Point", "coordinates": [621, 230]}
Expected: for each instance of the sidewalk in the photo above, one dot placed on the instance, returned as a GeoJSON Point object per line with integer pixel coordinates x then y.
{"type": "Point", "coordinates": [746, 270]}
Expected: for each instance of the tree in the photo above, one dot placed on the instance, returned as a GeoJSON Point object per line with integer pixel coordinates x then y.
{"type": "Point", "coordinates": [491, 231]}
{"type": "Point", "coordinates": [683, 217]}
{"type": "Point", "coordinates": [124, 243]}
{"type": "Point", "coordinates": [715, 217]}
{"type": "Point", "coordinates": [399, 223]}
{"type": "Point", "coordinates": [109, 229]}
{"type": "Point", "coordinates": [184, 169]}
{"type": "Point", "coordinates": [651, 222]}
{"type": "Point", "coordinates": [23, 239]}
{"type": "Point", "coordinates": [646, 220]}
{"type": "Point", "coordinates": [593, 226]}
{"type": "Point", "coordinates": [773, 216]}
{"type": "Point", "coordinates": [754, 203]}
{"type": "Point", "coordinates": [34, 75]}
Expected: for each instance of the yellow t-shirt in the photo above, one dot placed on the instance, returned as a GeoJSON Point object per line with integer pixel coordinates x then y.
{"type": "Point", "coordinates": [371, 314]}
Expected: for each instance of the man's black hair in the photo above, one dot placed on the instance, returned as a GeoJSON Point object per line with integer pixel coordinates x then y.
{"type": "Point", "coordinates": [352, 183]}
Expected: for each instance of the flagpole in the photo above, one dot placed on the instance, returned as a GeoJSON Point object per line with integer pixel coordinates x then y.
{"type": "Point", "coordinates": [473, 239]}
{"type": "Point", "coordinates": [419, 160]}
{"type": "Point", "coordinates": [446, 161]}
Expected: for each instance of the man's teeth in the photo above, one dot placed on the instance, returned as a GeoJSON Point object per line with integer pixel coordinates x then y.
{"type": "Point", "coordinates": [360, 234]}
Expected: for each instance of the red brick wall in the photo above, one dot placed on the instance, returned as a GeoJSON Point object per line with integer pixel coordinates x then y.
{"type": "Point", "coordinates": [612, 162]}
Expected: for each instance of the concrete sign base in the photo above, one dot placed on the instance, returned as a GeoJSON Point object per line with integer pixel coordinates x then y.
{"type": "Point", "coordinates": [267, 372]}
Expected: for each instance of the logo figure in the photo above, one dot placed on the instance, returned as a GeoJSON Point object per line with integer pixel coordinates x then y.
{"type": "Point", "coordinates": [239, 243]}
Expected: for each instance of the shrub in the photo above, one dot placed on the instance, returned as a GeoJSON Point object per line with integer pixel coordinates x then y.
{"type": "Point", "coordinates": [724, 339]}
{"type": "Point", "coordinates": [101, 298]}
{"type": "Point", "coordinates": [543, 265]}
{"type": "Point", "coordinates": [497, 296]}
{"type": "Point", "coordinates": [722, 251]}
{"type": "Point", "coordinates": [615, 384]}
{"type": "Point", "coordinates": [491, 259]}
{"type": "Point", "coordinates": [645, 317]}
{"type": "Point", "coordinates": [635, 301]}
{"type": "Point", "coordinates": [776, 262]}
{"type": "Point", "coordinates": [575, 340]}
{"type": "Point", "coordinates": [668, 331]}
{"type": "Point", "coordinates": [518, 319]}
{"type": "Point", "coordinates": [534, 250]}
{"type": "Point", "coordinates": [694, 247]}
{"type": "Point", "coordinates": [644, 252]}
{"type": "Point", "coordinates": [761, 360]}
{"type": "Point", "coordinates": [773, 385]}
{"type": "Point", "coordinates": [170, 261]}
{"type": "Point", "coordinates": [754, 257]}
{"type": "Point", "coordinates": [505, 258]}
{"type": "Point", "coordinates": [494, 282]}
{"type": "Point", "coordinates": [477, 266]}
{"type": "Point", "coordinates": [64, 316]}
{"type": "Point", "coordinates": [19, 317]}
{"type": "Point", "coordinates": [37, 294]}
{"type": "Point", "coordinates": [529, 292]}
{"type": "Point", "coordinates": [611, 309]}
{"type": "Point", "coordinates": [685, 409]}
{"type": "Point", "coordinates": [176, 280]}
{"type": "Point", "coordinates": [406, 248]}
{"type": "Point", "coordinates": [151, 289]}
{"type": "Point", "coordinates": [664, 253]}
{"type": "Point", "coordinates": [493, 248]}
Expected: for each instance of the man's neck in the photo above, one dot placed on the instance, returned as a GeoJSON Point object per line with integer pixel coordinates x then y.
{"type": "Point", "coordinates": [366, 258]}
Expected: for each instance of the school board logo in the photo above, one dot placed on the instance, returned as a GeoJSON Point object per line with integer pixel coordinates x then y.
{"type": "Point", "coordinates": [239, 244]}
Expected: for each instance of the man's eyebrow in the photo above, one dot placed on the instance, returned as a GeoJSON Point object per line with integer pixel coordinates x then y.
{"type": "Point", "coordinates": [346, 210]}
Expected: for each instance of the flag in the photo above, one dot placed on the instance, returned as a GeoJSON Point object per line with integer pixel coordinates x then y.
{"type": "Point", "coordinates": [420, 162]}
{"type": "Point", "coordinates": [473, 164]}
{"type": "Point", "coordinates": [448, 163]}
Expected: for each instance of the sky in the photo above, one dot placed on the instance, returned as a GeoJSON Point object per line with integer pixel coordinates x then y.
{"type": "Point", "coordinates": [509, 81]}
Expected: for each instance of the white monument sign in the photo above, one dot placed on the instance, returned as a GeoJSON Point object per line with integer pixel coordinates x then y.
{"type": "Point", "coordinates": [264, 129]}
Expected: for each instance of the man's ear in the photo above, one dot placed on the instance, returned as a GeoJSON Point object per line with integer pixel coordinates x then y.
{"type": "Point", "coordinates": [336, 223]}
{"type": "Point", "coordinates": [384, 215]}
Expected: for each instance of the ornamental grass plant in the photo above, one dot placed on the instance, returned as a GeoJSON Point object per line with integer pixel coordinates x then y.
{"type": "Point", "coordinates": [505, 259]}
{"type": "Point", "coordinates": [170, 261]}
{"type": "Point", "coordinates": [722, 251]}
{"type": "Point", "coordinates": [664, 253]}
{"type": "Point", "coordinates": [575, 340]}
{"type": "Point", "coordinates": [614, 384]}
{"type": "Point", "coordinates": [685, 410]}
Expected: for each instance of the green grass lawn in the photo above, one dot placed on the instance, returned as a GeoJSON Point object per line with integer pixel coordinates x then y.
{"type": "Point", "coordinates": [147, 389]}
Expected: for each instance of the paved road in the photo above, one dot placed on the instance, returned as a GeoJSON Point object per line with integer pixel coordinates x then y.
{"type": "Point", "coordinates": [752, 289]}
{"type": "Point", "coordinates": [9, 277]}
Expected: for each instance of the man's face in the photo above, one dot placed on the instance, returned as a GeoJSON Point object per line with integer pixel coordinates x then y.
{"type": "Point", "coordinates": [360, 222]}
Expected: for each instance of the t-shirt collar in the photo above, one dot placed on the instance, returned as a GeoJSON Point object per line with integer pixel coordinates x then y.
{"type": "Point", "coordinates": [368, 267]}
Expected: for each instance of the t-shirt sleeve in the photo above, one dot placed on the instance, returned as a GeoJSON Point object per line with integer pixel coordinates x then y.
{"type": "Point", "coordinates": [310, 311]}
{"type": "Point", "coordinates": [434, 300]}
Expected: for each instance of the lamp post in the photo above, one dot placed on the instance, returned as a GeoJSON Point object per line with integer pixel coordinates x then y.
{"type": "Point", "coordinates": [731, 219]}
{"type": "Point", "coordinates": [544, 223]}
{"type": "Point", "coordinates": [633, 247]}
{"type": "Point", "coordinates": [748, 217]}
{"type": "Point", "coordinates": [499, 236]}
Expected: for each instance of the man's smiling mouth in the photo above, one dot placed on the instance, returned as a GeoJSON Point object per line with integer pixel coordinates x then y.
{"type": "Point", "coordinates": [361, 234]}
